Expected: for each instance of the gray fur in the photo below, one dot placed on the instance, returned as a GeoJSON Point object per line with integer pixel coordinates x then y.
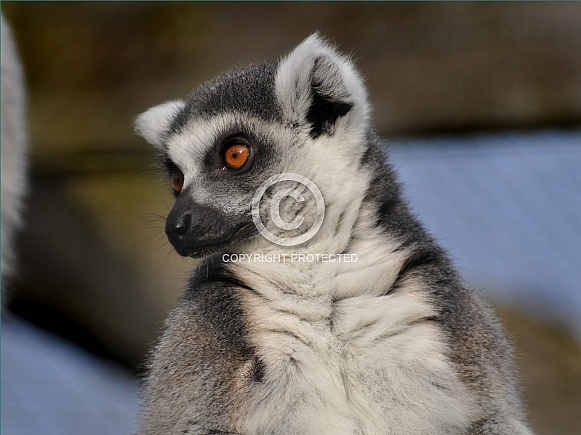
{"type": "Point", "coordinates": [14, 163]}
{"type": "Point", "coordinates": [394, 343]}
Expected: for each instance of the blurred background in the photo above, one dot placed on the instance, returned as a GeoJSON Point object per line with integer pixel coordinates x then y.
{"type": "Point", "coordinates": [480, 104]}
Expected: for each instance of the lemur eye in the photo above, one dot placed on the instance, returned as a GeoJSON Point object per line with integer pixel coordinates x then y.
{"type": "Point", "coordinates": [236, 155]}
{"type": "Point", "coordinates": [177, 181]}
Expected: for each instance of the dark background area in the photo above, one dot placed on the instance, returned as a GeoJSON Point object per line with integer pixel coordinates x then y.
{"type": "Point", "coordinates": [95, 265]}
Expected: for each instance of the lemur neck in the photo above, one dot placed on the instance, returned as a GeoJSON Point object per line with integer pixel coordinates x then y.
{"type": "Point", "coordinates": [350, 256]}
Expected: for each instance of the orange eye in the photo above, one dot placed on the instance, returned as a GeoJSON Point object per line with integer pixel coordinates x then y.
{"type": "Point", "coordinates": [235, 156]}
{"type": "Point", "coordinates": [177, 181]}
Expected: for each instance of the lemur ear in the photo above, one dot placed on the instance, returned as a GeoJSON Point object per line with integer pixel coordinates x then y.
{"type": "Point", "coordinates": [316, 84]}
{"type": "Point", "coordinates": [153, 124]}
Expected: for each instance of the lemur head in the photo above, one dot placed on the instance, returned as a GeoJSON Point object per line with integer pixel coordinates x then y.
{"type": "Point", "coordinates": [306, 114]}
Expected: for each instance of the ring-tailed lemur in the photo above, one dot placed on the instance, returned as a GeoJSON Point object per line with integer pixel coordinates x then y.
{"type": "Point", "coordinates": [365, 328]}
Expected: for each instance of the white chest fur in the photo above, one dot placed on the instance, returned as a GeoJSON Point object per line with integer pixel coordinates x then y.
{"type": "Point", "coordinates": [361, 364]}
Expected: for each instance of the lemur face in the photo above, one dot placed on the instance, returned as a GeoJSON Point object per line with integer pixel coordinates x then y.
{"type": "Point", "coordinates": [215, 165]}
{"type": "Point", "coordinates": [304, 115]}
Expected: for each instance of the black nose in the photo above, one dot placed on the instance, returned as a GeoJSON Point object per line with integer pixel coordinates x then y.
{"type": "Point", "coordinates": [195, 229]}
{"type": "Point", "coordinates": [177, 225]}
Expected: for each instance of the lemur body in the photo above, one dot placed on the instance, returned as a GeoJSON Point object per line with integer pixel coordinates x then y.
{"type": "Point", "coordinates": [392, 343]}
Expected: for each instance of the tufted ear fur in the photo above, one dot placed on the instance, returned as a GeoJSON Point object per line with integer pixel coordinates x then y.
{"type": "Point", "coordinates": [317, 85]}
{"type": "Point", "coordinates": [154, 124]}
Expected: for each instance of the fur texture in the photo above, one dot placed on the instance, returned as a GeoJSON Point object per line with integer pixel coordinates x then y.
{"type": "Point", "coordinates": [392, 343]}
{"type": "Point", "coordinates": [14, 167]}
